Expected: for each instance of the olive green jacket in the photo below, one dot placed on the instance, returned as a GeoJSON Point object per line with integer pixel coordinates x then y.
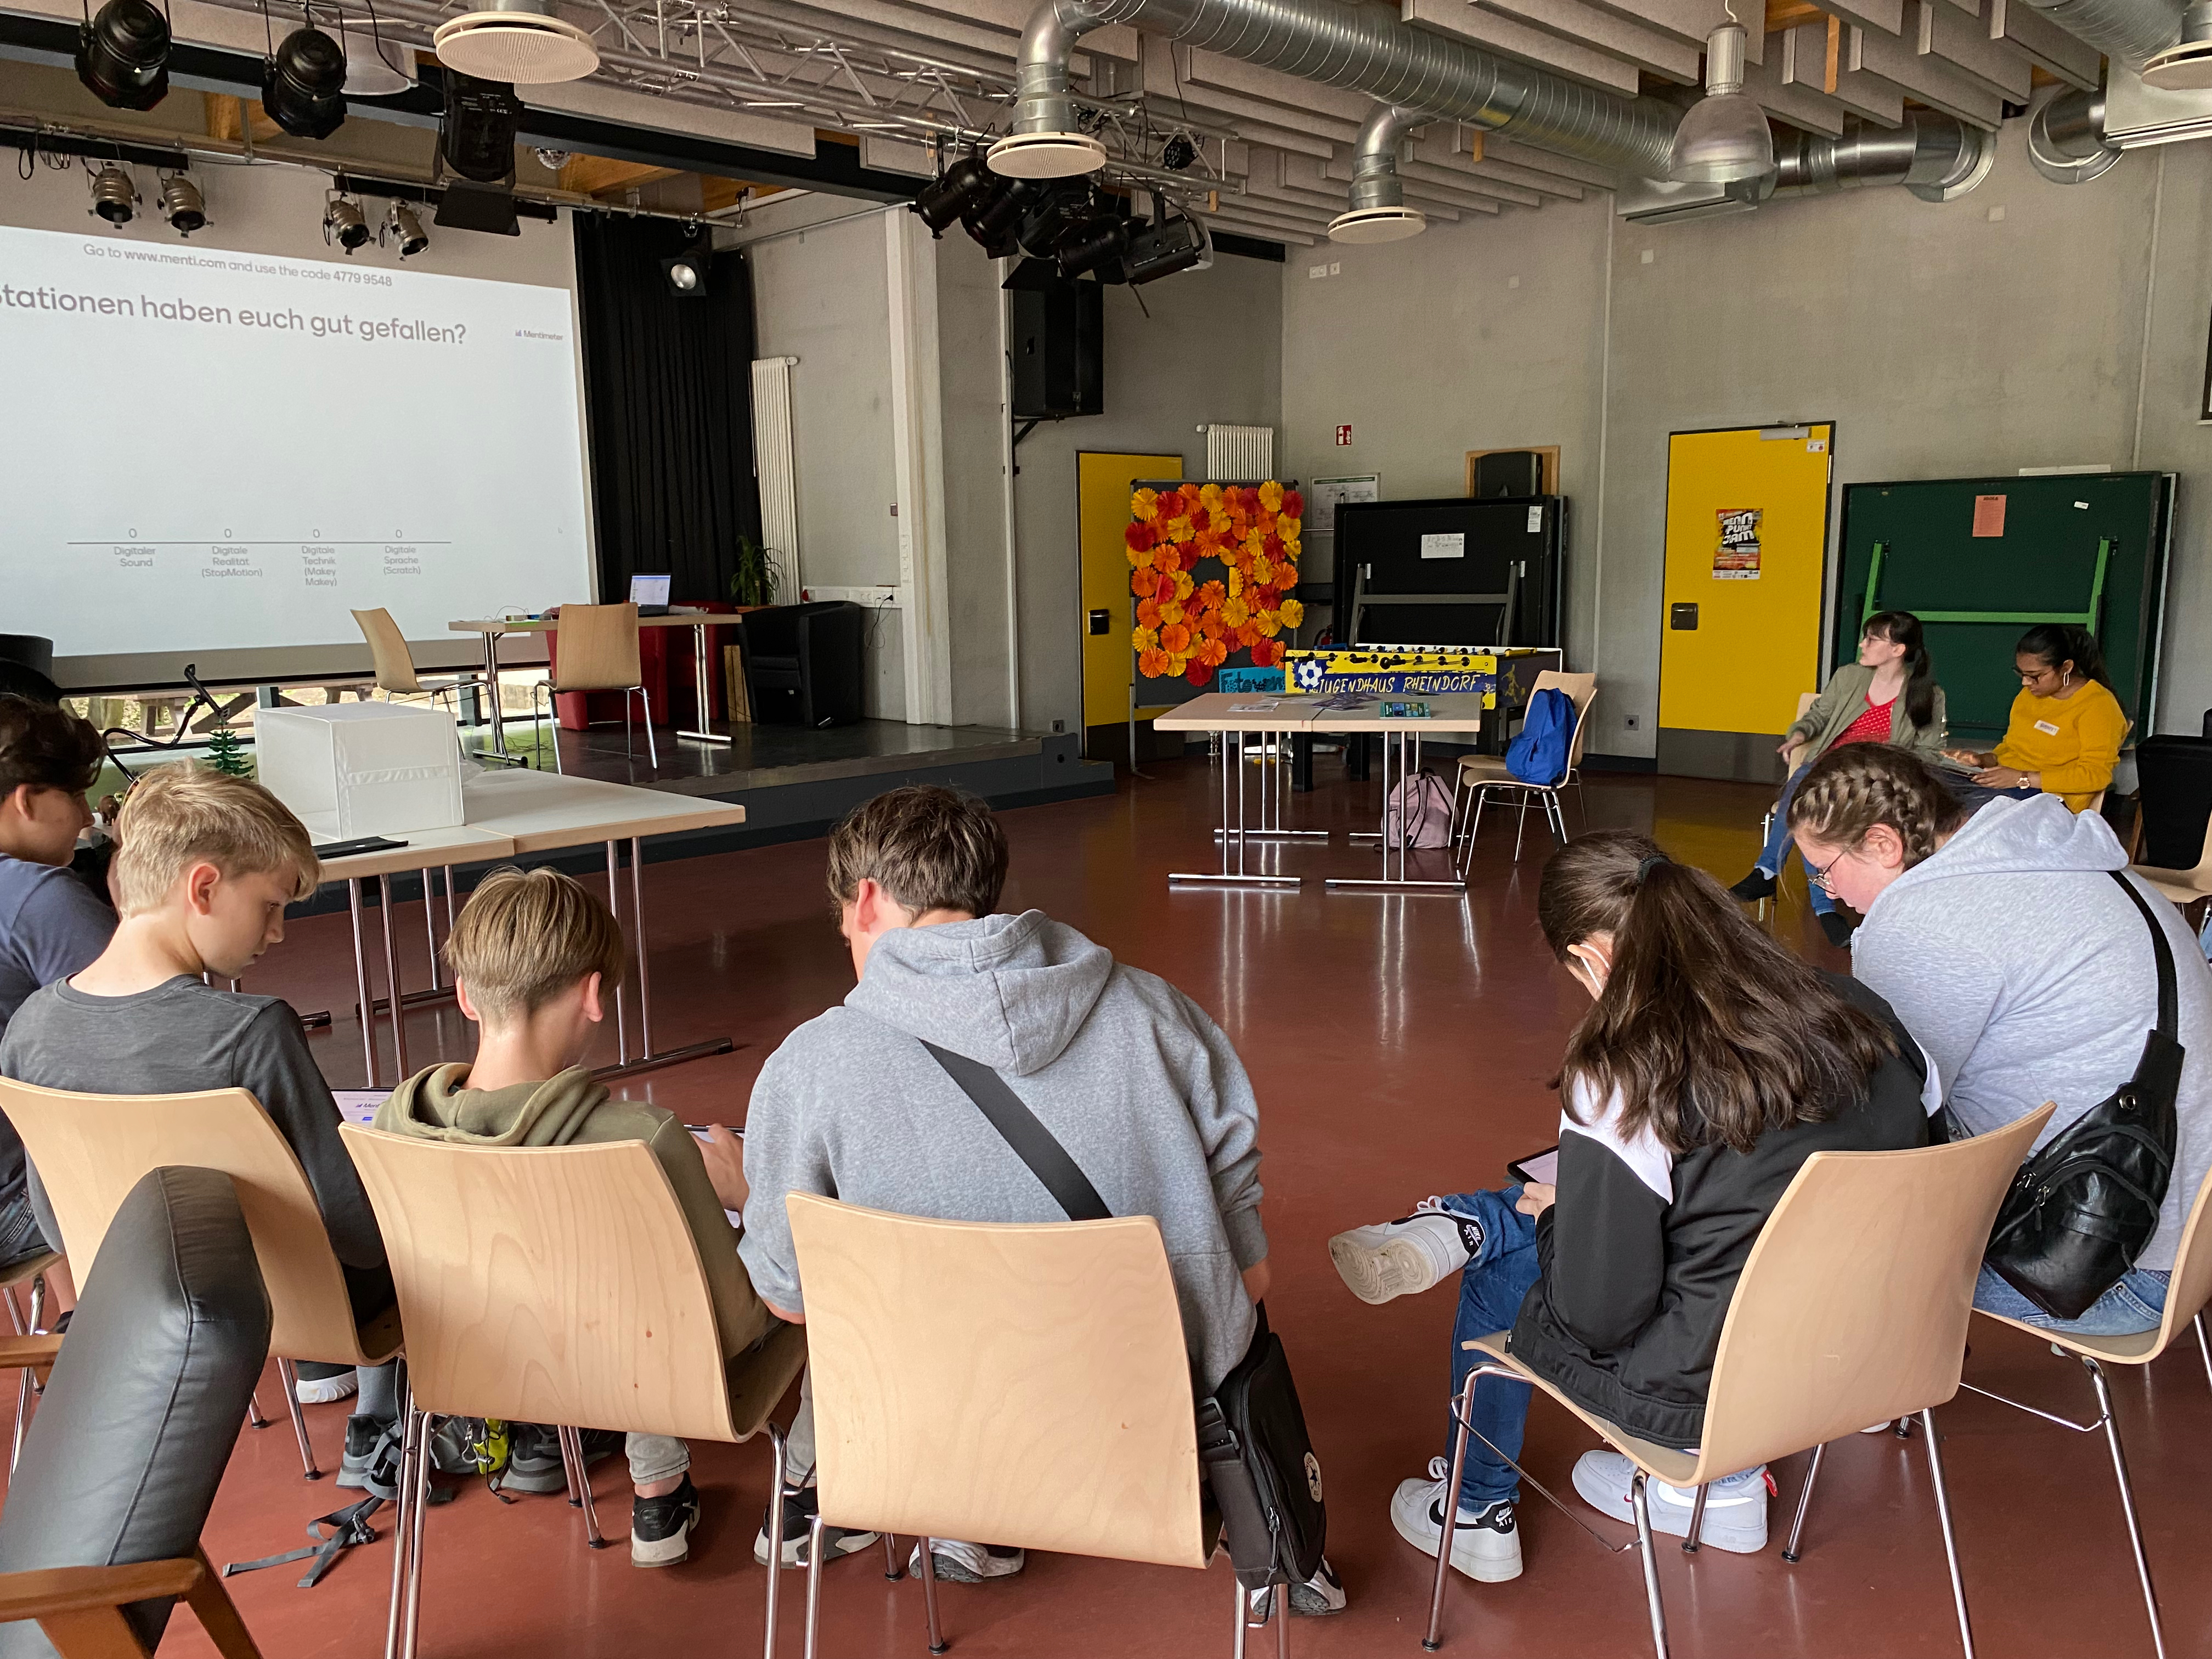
{"type": "Point", "coordinates": [1843, 700]}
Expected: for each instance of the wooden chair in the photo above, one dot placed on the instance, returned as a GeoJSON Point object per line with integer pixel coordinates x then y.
{"type": "Point", "coordinates": [556, 1285]}
{"type": "Point", "coordinates": [90, 1151]}
{"type": "Point", "coordinates": [1851, 1310]}
{"type": "Point", "coordinates": [1023, 1384]}
{"type": "Point", "coordinates": [598, 652]}
{"type": "Point", "coordinates": [1480, 773]}
{"type": "Point", "coordinates": [2188, 1289]}
{"type": "Point", "coordinates": [397, 678]}
{"type": "Point", "coordinates": [80, 1608]}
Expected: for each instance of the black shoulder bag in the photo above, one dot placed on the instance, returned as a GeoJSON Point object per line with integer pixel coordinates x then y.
{"type": "Point", "coordinates": [2083, 1209]}
{"type": "Point", "coordinates": [1252, 1433]}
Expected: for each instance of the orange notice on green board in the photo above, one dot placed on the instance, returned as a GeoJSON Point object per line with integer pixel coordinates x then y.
{"type": "Point", "coordinates": [1989, 515]}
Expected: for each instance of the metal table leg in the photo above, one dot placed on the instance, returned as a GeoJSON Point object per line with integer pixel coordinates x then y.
{"type": "Point", "coordinates": [1232, 833]}
{"type": "Point", "coordinates": [1274, 780]}
{"type": "Point", "coordinates": [649, 1059]}
{"type": "Point", "coordinates": [491, 687]}
{"type": "Point", "coordinates": [391, 978]}
{"type": "Point", "coordinates": [702, 678]}
{"type": "Point", "coordinates": [1401, 753]}
{"type": "Point", "coordinates": [360, 982]}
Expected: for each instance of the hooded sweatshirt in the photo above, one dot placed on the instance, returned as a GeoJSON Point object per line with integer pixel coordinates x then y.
{"type": "Point", "coordinates": [2027, 975]}
{"type": "Point", "coordinates": [1129, 1074]}
{"type": "Point", "coordinates": [574, 1109]}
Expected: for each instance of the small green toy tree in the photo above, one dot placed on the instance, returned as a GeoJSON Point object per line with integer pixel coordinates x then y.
{"type": "Point", "coordinates": [227, 754]}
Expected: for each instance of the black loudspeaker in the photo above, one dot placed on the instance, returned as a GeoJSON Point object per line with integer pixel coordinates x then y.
{"type": "Point", "coordinates": [1059, 347]}
{"type": "Point", "coordinates": [1508, 472]}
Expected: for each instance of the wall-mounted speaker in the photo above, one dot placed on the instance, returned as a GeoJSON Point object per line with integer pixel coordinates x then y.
{"type": "Point", "coordinates": [1058, 345]}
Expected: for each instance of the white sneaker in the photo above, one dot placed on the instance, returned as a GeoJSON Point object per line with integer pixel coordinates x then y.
{"type": "Point", "coordinates": [322, 1390]}
{"type": "Point", "coordinates": [1319, 1597]}
{"type": "Point", "coordinates": [1486, 1547]}
{"type": "Point", "coordinates": [1397, 1258]}
{"type": "Point", "coordinates": [958, 1563]}
{"type": "Point", "coordinates": [1735, 1505]}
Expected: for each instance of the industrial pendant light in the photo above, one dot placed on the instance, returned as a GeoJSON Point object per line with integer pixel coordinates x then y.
{"type": "Point", "coordinates": [1724, 138]}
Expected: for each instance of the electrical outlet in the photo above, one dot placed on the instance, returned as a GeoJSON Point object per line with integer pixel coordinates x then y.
{"type": "Point", "coordinates": [1647, 256]}
{"type": "Point", "coordinates": [1059, 727]}
{"type": "Point", "coordinates": [1314, 273]}
{"type": "Point", "coordinates": [1633, 722]}
{"type": "Point", "coordinates": [1335, 267]}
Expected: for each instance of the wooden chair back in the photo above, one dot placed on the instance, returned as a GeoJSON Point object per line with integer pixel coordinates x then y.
{"type": "Point", "coordinates": [388, 646]}
{"type": "Point", "coordinates": [91, 1150]}
{"type": "Point", "coordinates": [1023, 1383]}
{"type": "Point", "coordinates": [2191, 1287]}
{"type": "Point", "coordinates": [598, 649]}
{"type": "Point", "coordinates": [1853, 1306]}
{"type": "Point", "coordinates": [559, 1285]}
{"type": "Point", "coordinates": [1805, 702]}
{"type": "Point", "coordinates": [1581, 691]}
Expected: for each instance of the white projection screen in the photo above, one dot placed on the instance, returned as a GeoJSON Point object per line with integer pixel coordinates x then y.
{"type": "Point", "coordinates": [223, 454]}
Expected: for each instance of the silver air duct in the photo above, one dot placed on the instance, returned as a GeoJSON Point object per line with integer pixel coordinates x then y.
{"type": "Point", "coordinates": [2130, 30]}
{"type": "Point", "coordinates": [2066, 138]}
{"type": "Point", "coordinates": [1378, 211]}
{"type": "Point", "coordinates": [1362, 47]}
{"type": "Point", "coordinates": [1935, 156]}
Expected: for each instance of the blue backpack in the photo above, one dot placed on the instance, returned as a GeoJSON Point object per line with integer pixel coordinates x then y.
{"type": "Point", "coordinates": [1539, 754]}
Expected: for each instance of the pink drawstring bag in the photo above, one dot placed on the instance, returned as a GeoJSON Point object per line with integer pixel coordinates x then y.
{"type": "Point", "coordinates": [1419, 813]}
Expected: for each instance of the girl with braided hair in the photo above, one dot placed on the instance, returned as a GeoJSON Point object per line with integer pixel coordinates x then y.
{"type": "Point", "coordinates": [2008, 950]}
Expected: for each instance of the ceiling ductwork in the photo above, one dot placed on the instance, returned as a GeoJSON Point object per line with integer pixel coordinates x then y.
{"type": "Point", "coordinates": [2066, 138]}
{"type": "Point", "coordinates": [2129, 30]}
{"type": "Point", "coordinates": [1378, 212]}
{"type": "Point", "coordinates": [1935, 156]}
{"type": "Point", "coordinates": [1360, 47]}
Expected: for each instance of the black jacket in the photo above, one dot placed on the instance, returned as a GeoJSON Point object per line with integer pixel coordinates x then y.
{"type": "Point", "coordinates": [1641, 1250]}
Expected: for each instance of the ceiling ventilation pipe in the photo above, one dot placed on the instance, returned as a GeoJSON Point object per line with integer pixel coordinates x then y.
{"type": "Point", "coordinates": [1364, 48]}
{"type": "Point", "coordinates": [2130, 30]}
{"type": "Point", "coordinates": [2066, 138]}
{"type": "Point", "coordinates": [1378, 211]}
{"type": "Point", "coordinates": [1935, 156]}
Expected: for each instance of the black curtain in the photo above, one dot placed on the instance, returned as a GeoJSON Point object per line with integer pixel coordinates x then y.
{"type": "Point", "coordinates": [668, 392]}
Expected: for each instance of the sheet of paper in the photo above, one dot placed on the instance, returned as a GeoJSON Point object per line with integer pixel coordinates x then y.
{"type": "Point", "coordinates": [1444, 544]}
{"type": "Point", "coordinates": [359, 1105]}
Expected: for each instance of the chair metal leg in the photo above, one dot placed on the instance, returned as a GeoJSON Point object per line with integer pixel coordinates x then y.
{"type": "Point", "coordinates": [1280, 1604]}
{"type": "Point", "coordinates": [1950, 1540]}
{"type": "Point", "coordinates": [2203, 1347]}
{"type": "Point", "coordinates": [652, 749]}
{"type": "Point", "coordinates": [287, 1376]}
{"type": "Point", "coordinates": [572, 1454]}
{"type": "Point", "coordinates": [775, 1537]}
{"type": "Point", "coordinates": [1462, 1417]}
{"type": "Point", "coordinates": [813, 1579]}
{"type": "Point", "coordinates": [892, 1571]}
{"type": "Point", "coordinates": [413, 1620]}
{"type": "Point", "coordinates": [1690, 1540]}
{"type": "Point", "coordinates": [1804, 1503]}
{"type": "Point", "coordinates": [15, 1312]}
{"type": "Point", "coordinates": [937, 1643]}
{"type": "Point", "coordinates": [409, 1427]}
{"type": "Point", "coordinates": [1520, 824]}
{"type": "Point", "coordinates": [1243, 1619]}
{"type": "Point", "coordinates": [2126, 1501]}
{"type": "Point", "coordinates": [1643, 1504]}
{"type": "Point", "coordinates": [22, 1419]}
{"type": "Point", "coordinates": [254, 1415]}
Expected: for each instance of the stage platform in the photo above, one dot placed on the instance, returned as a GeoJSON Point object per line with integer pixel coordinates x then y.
{"type": "Point", "coordinates": [793, 783]}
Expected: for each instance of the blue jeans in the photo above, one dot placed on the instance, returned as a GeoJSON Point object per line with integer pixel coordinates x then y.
{"type": "Point", "coordinates": [1491, 1287]}
{"type": "Point", "coordinates": [1779, 845]}
{"type": "Point", "coordinates": [2136, 1304]}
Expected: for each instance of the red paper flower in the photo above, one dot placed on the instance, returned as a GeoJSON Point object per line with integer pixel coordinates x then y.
{"type": "Point", "coordinates": [1197, 673]}
{"type": "Point", "coordinates": [1294, 504]}
{"type": "Point", "coordinates": [1190, 551]}
{"type": "Point", "coordinates": [1140, 536]}
{"type": "Point", "coordinates": [1272, 546]}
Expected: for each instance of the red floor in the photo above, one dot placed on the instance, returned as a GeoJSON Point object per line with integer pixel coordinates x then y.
{"type": "Point", "coordinates": [1400, 1046]}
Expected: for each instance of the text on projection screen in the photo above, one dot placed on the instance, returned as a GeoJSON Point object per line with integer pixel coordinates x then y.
{"type": "Point", "coordinates": [238, 449]}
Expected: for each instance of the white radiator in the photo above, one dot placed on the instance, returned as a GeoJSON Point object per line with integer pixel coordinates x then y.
{"type": "Point", "coordinates": [774, 469]}
{"type": "Point", "coordinates": [1239, 454]}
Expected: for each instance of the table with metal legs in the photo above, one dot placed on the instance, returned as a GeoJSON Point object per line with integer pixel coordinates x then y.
{"type": "Point", "coordinates": [1458, 714]}
{"type": "Point", "coordinates": [1238, 719]}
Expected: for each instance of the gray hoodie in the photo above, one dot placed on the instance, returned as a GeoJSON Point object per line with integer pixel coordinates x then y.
{"type": "Point", "coordinates": [2027, 976]}
{"type": "Point", "coordinates": [1140, 1087]}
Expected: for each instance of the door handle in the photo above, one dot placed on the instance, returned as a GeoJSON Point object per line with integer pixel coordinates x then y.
{"type": "Point", "coordinates": [1682, 618]}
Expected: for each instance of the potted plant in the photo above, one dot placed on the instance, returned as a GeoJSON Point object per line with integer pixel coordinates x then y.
{"type": "Point", "coordinates": [757, 578]}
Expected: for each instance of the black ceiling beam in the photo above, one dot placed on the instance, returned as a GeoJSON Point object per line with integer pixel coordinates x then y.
{"type": "Point", "coordinates": [100, 149]}
{"type": "Point", "coordinates": [1249, 247]}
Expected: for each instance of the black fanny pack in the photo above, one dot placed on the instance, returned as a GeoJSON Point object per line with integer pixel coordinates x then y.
{"type": "Point", "coordinates": [1252, 1438]}
{"type": "Point", "coordinates": [2084, 1208]}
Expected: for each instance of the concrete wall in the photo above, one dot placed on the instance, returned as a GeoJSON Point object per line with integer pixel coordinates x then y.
{"type": "Point", "coordinates": [1942, 343]}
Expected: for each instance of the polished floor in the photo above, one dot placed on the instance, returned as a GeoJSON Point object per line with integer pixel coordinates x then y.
{"type": "Point", "coordinates": [1399, 1046]}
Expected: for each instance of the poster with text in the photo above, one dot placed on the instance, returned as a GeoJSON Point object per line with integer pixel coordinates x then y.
{"type": "Point", "coordinates": [1736, 558]}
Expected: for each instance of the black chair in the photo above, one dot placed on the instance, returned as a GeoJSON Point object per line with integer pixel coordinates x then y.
{"type": "Point", "coordinates": [803, 663]}
{"type": "Point", "coordinates": [2174, 775]}
{"type": "Point", "coordinates": [102, 1528]}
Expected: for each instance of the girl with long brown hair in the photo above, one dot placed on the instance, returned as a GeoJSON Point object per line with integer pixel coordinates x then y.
{"type": "Point", "coordinates": [1712, 1064]}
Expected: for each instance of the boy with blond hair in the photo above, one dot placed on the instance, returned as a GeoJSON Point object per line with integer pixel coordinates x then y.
{"type": "Point", "coordinates": [535, 959]}
{"type": "Point", "coordinates": [207, 864]}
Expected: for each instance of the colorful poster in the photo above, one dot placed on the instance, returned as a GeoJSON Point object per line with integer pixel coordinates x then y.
{"type": "Point", "coordinates": [1736, 558]}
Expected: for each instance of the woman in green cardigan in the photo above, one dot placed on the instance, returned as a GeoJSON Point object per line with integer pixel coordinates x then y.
{"type": "Point", "coordinates": [1888, 695]}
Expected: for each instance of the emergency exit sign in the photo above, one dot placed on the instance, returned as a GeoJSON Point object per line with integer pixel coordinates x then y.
{"type": "Point", "coordinates": [1344, 437]}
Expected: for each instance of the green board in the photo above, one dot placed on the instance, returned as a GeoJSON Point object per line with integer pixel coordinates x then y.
{"type": "Point", "coordinates": [2087, 548]}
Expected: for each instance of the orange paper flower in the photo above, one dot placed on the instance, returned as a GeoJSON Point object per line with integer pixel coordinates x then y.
{"type": "Point", "coordinates": [1148, 613]}
{"type": "Point", "coordinates": [1175, 638]}
{"type": "Point", "coordinates": [1142, 582]}
{"type": "Point", "coordinates": [1153, 664]}
{"type": "Point", "coordinates": [1212, 654]}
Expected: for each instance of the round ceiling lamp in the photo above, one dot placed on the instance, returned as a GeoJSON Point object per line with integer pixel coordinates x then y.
{"type": "Point", "coordinates": [1047, 155]}
{"type": "Point", "coordinates": [2186, 65]}
{"type": "Point", "coordinates": [1724, 137]}
{"type": "Point", "coordinates": [524, 45]}
{"type": "Point", "coordinates": [1377, 224]}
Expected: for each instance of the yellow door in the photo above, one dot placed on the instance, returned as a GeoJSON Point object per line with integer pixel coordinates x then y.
{"type": "Point", "coordinates": [1739, 621]}
{"type": "Point", "coordinates": [1104, 482]}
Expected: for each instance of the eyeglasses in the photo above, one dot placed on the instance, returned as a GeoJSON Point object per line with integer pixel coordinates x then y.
{"type": "Point", "coordinates": [1819, 878]}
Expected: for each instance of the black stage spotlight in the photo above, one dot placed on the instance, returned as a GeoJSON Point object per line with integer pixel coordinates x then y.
{"type": "Point", "coordinates": [402, 227]}
{"type": "Point", "coordinates": [952, 193]}
{"type": "Point", "coordinates": [1164, 246]}
{"type": "Point", "coordinates": [689, 271]}
{"type": "Point", "coordinates": [123, 55]}
{"type": "Point", "coordinates": [475, 139]}
{"type": "Point", "coordinates": [1179, 154]}
{"type": "Point", "coordinates": [992, 219]}
{"type": "Point", "coordinates": [1060, 205]}
{"type": "Point", "coordinates": [182, 204]}
{"type": "Point", "coordinates": [114, 197]}
{"type": "Point", "coordinates": [343, 223]}
{"type": "Point", "coordinates": [1093, 243]}
{"type": "Point", "coordinates": [303, 85]}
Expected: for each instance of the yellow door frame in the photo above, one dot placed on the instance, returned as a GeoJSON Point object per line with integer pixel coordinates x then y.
{"type": "Point", "coordinates": [1104, 481]}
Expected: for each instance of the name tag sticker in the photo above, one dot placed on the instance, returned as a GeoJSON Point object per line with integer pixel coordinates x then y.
{"type": "Point", "coordinates": [2046, 728]}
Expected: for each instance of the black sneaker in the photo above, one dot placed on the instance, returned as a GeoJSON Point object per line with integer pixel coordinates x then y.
{"type": "Point", "coordinates": [1754, 887]}
{"type": "Point", "coordinates": [799, 1509]}
{"type": "Point", "coordinates": [533, 1456]}
{"type": "Point", "coordinates": [1838, 926]}
{"type": "Point", "coordinates": [371, 1459]}
{"type": "Point", "coordinates": [661, 1528]}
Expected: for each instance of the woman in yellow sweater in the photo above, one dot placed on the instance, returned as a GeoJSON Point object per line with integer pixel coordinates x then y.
{"type": "Point", "coordinates": [2066, 729]}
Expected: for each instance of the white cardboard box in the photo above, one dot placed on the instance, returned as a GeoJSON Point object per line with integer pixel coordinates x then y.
{"type": "Point", "coordinates": [361, 769]}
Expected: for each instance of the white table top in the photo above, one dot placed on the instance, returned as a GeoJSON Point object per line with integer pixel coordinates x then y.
{"type": "Point", "coordinates": [1219, 711]}
{"type": "Point", "coordinates": [552, 624]}
{"type": "Point", "coordinates": [539, 811]}
{"type": "Point", "coordinates": [426, 849]}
